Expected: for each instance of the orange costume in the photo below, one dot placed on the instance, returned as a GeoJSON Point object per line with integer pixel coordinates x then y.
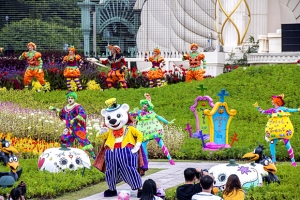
{"type": "Point", "coordinates": [72, 71]}
{"type": "Point", "coordinates": [195, 71]}
{"type": "Point", "coordinates": [117, 64]}
{"type": "Point", "coordinates": [155, 73]}
{"type": "Point", "coordinates": [35, 65]}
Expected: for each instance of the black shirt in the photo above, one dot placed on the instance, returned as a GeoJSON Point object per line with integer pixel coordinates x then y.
{"type": "Point", "coordinates": [186, 191]}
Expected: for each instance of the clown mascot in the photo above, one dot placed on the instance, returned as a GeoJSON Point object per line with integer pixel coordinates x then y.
{"type": "Point", "coordinates": [194, 58]}
{"type": "Point", "coordinates": [148, 122]}
{"type": "Point", "coordinates": [119, 151]}
{"type": "Point", "coordinates": [72, 71]}
{"type": "Point", "coordinates": [75, 117]}
{"type": "Point", "coordinates": [279, 126]}
{"type": "Point", "coordinates": [35, 65]}
{"type": "Point", "coordinates": [155, 74]}
{"type": "Point", "coordinates": [118, 65]}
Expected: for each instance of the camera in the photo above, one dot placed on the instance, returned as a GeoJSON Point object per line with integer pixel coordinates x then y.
{"type": "Point", "coordinates": [199, 174]}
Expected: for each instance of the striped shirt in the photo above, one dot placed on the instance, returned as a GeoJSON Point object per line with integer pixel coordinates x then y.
{"type": "Point", "coordinates": [205, 196]}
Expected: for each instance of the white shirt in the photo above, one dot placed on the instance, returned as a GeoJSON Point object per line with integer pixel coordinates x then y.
{"type": "Point", "coordinates": [205, 196]}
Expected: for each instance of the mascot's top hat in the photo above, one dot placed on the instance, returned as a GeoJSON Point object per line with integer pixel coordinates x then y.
{"type": "Point", "coordinates": [112, 104]}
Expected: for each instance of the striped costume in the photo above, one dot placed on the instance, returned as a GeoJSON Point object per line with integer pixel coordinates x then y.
{"type": "Point", "coordinates": [119, 160]}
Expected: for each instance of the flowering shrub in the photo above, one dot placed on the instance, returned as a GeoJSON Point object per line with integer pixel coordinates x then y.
{"type": "Point", "coordinates": [36, 86]}
{"type": "Point", "coordinates": [229, 68]}
{"type": "Point", "coordinates": [135, 79]}
{"type": "Point", "coordinates": [173, 139]}
{"type": "Point", "coordinates": [36, 123]}
{"type": "Point", "coordinates": [92, 85]}
{"type": "Point", "coordinates": [28, 147]}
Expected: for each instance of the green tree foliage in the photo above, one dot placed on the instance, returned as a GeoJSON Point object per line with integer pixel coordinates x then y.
{"type": "Point", "coordinates": [64, 12]}
{"type": "Point", "coordinates": [44, 35]}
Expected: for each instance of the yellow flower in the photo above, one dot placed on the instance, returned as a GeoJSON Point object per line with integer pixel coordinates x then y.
{"type": "Point", "coordinates": [3, 89]}
{"type": "Point", "coordinates": [36, 86]}
{"type": "Point", "coordinates": [73, 85]}
{"type": "Point", "coordinates": [92, 85]}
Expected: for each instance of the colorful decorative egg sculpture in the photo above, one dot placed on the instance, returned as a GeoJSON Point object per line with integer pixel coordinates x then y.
{"type": "Point", "coordinates": [250, 175]}
{"type": "Point", "coordinates": [61, 159]}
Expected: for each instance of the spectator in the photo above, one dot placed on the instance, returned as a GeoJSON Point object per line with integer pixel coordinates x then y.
{"type": "Point", "coordinates": [149, 191]}
{"type": "Point", "coordinates": [18, 193]}
{"type": "Point", "coordinates": [206, 182]}
{"type": "Point", "coordinates": [186, 191]}
{"type": "Point", "coordinates": [233, 189]}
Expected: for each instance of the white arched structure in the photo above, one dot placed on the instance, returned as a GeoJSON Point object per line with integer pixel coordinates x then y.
{"type": "Point", "coordinates": [174, 25]}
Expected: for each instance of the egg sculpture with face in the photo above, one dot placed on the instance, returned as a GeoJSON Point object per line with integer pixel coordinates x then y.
{"type": "Point", "coordinates": [62, 159]}
{"type": "Point", "coordinates": [249, 175]}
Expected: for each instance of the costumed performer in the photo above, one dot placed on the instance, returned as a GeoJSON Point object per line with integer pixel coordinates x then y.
{"type": "Point", "coordinates": [279, 129]}
{"type": "Point", "coordinates": [72, 71]}
{"type": "Point", "coordinates": [120, 150]}
{"type": "Point", "coordinates": [195, 72]}
{"type": "Point", "coordinates": [75, 117]}
{"type": "Point", "coordinates": [35, 65]}
{"type": "Point", "coordinates": [148, 122]}
{"type": "Point", "coordinates": [118, 65]}
{"type": "Point", "coordinates": [155, 74]}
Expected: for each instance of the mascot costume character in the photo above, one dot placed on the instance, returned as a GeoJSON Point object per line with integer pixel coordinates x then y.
{"type": "Point", "coordinates": [119, 155]}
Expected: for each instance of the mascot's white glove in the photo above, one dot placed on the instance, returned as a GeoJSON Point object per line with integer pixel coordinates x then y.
{"type": "Point", "coordinates": [103, 130]}
{"type": "Point", "coordinates": [136, 147]}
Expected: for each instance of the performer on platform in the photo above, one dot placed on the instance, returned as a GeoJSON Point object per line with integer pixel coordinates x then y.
{"type": "Point", "coordinates": [118, 65]}
{"type": "Point", "coordinates": [35, 66]}
{"type": "Point", "coordinates": [72, 71]}
{"type": "Point", "coordinates": [195, 71]}
{"type": "Point", "coordinates": [155, 74]}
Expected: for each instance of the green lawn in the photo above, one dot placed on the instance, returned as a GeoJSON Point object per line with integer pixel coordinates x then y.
{"type": "Point", "coordinates": [245, 87]}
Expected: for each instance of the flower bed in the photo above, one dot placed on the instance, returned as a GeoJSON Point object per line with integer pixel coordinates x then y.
{"type": "Point", "coordinates": [12, 71]}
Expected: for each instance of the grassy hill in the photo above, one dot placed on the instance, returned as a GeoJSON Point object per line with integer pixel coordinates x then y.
{"type": "Point", "coordinates": [245, 87]}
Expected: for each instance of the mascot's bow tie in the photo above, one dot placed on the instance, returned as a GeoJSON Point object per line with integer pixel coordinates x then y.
{"type": "Point", "coordinates": [118, 133]}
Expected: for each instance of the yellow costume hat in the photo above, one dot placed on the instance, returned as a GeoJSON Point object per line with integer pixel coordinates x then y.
{"type": "Point", "coordinates": [31, 44]}
{"type": "Point", "coordinates": [116, 47]}
{"type": "Point", "coordinates": [112, 104]}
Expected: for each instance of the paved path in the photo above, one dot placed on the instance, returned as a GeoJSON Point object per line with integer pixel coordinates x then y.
{"type": "Point", "coordinates": [171, 176]}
